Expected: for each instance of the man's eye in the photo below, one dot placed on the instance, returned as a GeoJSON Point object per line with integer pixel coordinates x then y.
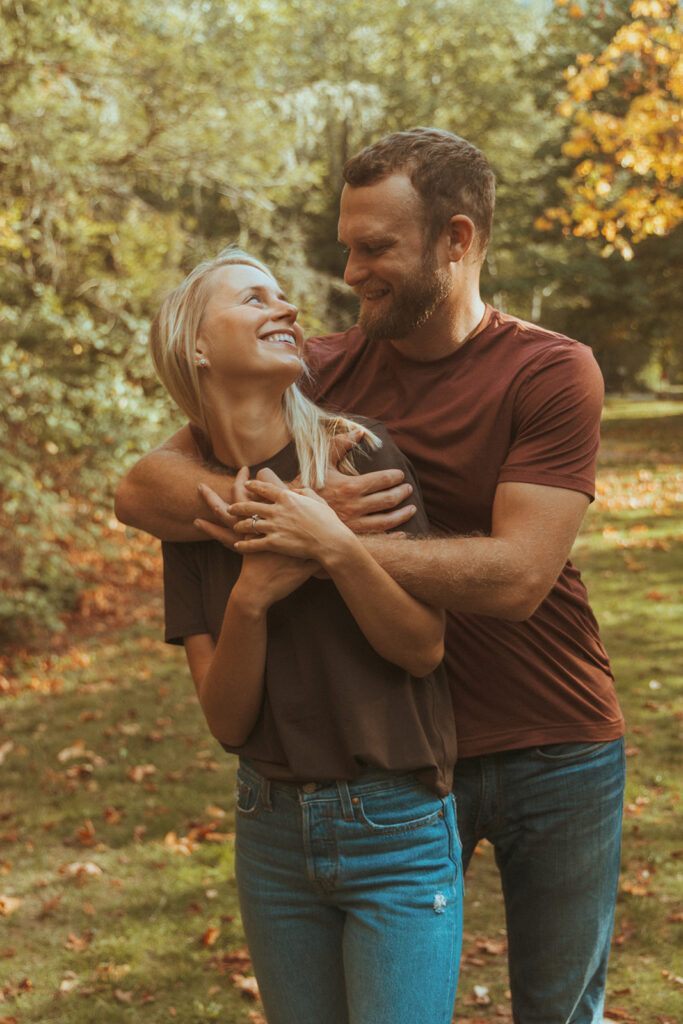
{"type": "Point", "coordinates": [254, 298]}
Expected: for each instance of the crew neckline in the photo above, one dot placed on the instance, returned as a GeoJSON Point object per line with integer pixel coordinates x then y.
{"type": "Point", "coordinates": [465, 344]}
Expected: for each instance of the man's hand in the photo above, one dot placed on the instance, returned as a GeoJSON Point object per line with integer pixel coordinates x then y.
{"type": "Point", "coordinates": [366, 503]}
{"type": "Point", "coordinates": [220, 527]}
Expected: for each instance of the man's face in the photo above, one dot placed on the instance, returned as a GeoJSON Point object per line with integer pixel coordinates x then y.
{"type": "Point", "coordinates": [391, 268]}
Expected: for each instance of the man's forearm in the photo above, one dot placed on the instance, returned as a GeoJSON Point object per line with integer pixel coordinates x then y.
{"type": "Point", "coordinates": [160, 495]}
{"type": "Point", "coordinates": [476, 575]}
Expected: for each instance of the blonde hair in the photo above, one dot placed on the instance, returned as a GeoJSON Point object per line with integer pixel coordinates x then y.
{"type": "Point", "coordinates": [172, 338]}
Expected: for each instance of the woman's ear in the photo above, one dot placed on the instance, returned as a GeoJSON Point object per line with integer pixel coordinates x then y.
{"type": "Point", "coordinates": [200, 357]}
{"type": "Point", "coordinates": [461, 235]}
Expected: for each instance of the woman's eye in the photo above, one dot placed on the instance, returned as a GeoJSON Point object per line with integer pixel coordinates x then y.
{"type": "Point", "coordinates": [254, 298]}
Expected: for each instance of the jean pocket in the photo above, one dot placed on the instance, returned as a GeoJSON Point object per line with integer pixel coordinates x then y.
{"type": "Point", "coordinates": [556, 752]}
{"type": "Point", "coordinates": [247, 796]}
{"type": "Point", "coordinates": [393, 813]}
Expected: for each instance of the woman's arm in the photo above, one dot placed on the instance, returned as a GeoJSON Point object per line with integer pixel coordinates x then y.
{"type": "Point", "coordinates": [229, 675]}
{"type": "Point", "coordinates": [300, 524]}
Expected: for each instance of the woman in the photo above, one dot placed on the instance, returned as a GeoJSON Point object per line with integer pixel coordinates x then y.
{"type": "Point", "coordinates": [319, 671]}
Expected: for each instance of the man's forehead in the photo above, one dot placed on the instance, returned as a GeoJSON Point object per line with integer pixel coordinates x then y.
{"type": "Point", "coordinates": [383, 208]}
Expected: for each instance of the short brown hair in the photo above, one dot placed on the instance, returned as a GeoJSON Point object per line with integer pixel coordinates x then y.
{"type": "Point", "coordinates": [449, 174]}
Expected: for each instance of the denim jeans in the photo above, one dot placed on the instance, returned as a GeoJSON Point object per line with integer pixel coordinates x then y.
{"type": "Point", "coordinates": [553, 815]}
{"type": "Point", "coordinates": [351, 898]}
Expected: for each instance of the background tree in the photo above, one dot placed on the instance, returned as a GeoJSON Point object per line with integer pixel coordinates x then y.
{"type": "Point", "coordinates": [626, 311]}
{"type": "Point", "coordinates": [135, 139]}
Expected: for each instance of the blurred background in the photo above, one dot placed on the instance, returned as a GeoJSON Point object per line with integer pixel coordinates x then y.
{"type": "Point", "coordinates": [137, 138]}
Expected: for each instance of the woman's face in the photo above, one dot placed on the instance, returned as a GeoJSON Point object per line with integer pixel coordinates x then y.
{"type": "Point", "coordinates": [249, 330]}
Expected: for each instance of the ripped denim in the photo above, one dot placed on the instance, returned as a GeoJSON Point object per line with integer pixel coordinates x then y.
{"type": "Point", "coordinates": [351, 898]}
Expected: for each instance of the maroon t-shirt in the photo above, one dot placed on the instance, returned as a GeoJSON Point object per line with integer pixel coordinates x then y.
{"type": "Point", "coordinates": [513, 403]}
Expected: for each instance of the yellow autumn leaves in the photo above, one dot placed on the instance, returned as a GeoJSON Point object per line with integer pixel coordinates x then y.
{"type": "Point", "coordinates": [625, 185]}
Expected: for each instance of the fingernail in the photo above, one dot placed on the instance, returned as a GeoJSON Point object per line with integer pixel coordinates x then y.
{"type": "Point", "coordinates": [410, 488]}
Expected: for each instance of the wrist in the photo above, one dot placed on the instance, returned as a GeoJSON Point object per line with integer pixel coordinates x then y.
{"type": "Point", "coordinates": [341, 553]}
{"type": "Point", "coordinates": [249, 603]}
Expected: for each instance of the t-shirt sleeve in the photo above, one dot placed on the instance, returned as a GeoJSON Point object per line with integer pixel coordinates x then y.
{"type": "Point", "coordinates": [557, 422]}
{"type": "Point", "coordinates": [389, 456]}
{"type": "Point", "coordinates": [183, 606]}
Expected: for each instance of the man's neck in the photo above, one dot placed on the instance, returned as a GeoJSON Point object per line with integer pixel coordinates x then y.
{"type": "Point", "coordinates": [445, 331]}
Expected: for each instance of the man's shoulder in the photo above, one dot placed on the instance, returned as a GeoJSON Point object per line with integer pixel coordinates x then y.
{"type": "Point", "coordinates": [538, 345]}
{"type": "Point", "coordinates": [326, 348]}
{"type": "Point", "coordinates": [526, 330]}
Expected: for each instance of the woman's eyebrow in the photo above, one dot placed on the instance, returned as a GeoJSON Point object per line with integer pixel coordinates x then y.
{"type": "Point", "coordinates": [261, 289]}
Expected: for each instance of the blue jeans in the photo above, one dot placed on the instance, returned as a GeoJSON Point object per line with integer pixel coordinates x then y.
{"type": "Point", "coordinates": [553, 815]}
{"type": "Point", "coordinates": [351, 898]}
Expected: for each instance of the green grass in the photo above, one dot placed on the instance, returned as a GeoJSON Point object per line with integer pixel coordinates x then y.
{"type": "Point", "coordinates": [111, 918]}
{"type": "Point", "coordinates": [631, 558]}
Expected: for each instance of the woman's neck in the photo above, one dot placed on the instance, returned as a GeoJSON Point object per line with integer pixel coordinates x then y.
{"type": "Point", "coordinates": [250, 431]}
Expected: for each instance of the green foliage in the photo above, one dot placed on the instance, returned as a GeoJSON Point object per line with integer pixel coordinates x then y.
{"type": "Point", "coordinates": [135, 139]}
{"type": "Point", "coordinates": [627, 312]}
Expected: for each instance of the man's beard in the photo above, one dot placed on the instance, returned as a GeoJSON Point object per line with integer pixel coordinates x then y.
{"type": "Point", "coordinates": [410, 308]}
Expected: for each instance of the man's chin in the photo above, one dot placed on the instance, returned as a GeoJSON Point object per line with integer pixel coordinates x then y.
{"type": "Point", "coordinates": [378, 328]}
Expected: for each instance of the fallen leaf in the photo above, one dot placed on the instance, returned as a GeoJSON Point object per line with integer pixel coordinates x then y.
{"type": "Point", "coordinates": [184, 845]}
{"type": "Point", "coordinates": [481, 995]}
{"type": "Point", "coordinates": [81, 869]}
{"type": "Point", "coordinates": [112, 972]}
{"type": "Point", "coordinates": [210, 936]}
{"type": "Point", "coordinates": [8, 905]}
{"type": "Point", "coordinates": [49, 906]}
{"type": "Point", "coordinates": [5, 749]}
{"type": "Point", "coordinates": [86, 834]}
{"type": "Point", "coordinates": [139, 772]}
{"type": "Point", "coordinates": [77, 750]}
{"type": "Point", "coordinates": [78, 943]}
{"type": "Point", "coordinates": [122, 996]}
{"type": "Point", "coordinates": [491, 946]}
{"type": "Point", "coordinates": [247, 986]}
{"type": "Point", "coordinates": [619, 1013]}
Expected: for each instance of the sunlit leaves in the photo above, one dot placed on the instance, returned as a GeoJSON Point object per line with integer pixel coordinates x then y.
{"type": "Point", "coordinates": [626, 134]}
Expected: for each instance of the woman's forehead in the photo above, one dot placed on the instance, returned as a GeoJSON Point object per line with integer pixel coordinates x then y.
{"type": "Point", "coordinates": [238, 276]}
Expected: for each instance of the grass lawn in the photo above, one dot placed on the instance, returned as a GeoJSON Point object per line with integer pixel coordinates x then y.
{"type": "Point", "coordinates": [117, 896]}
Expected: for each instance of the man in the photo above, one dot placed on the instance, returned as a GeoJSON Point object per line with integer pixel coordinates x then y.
{"type": "Point", "coordinates": [500, 419]}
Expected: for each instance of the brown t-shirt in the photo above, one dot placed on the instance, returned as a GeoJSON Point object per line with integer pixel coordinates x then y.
{"type": "Point", "coordinates": [513, 403]}
{"type": "Point", "coordinates": [332, 705]}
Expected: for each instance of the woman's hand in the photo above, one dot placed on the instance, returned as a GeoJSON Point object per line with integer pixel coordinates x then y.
{"type": "Point", "coordinates": [298, 522]}
{"type": "Point", "coordinates": [266, 577]}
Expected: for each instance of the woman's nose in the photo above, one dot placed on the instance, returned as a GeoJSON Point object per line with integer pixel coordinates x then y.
{"type": "Point", "coordinates": [286, 310]}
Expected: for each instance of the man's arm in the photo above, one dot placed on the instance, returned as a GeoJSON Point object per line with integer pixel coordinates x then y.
{"type": "Point", "coordinates": [505, 575]}
{"type": "Point", "coordinates": [160, 494]}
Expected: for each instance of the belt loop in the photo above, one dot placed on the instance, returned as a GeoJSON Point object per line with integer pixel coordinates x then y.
{"type": "Point", "coordinates": [345, 799]}
{"type": "Point", "coordinates": [265, 794]}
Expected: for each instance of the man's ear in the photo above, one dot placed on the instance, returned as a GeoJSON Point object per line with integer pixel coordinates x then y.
{"type": "Point", "coordinates": [461, 237]}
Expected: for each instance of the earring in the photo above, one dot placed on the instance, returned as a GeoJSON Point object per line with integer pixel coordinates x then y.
{"type": "Point", "coordinates": [202, 362]}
